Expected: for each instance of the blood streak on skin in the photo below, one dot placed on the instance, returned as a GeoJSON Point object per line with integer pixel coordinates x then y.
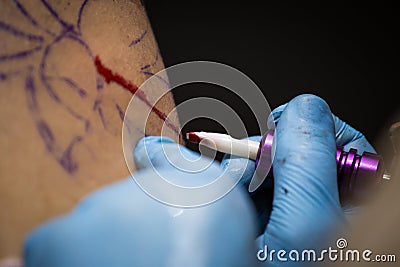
{"type": "Point", "coordinates": [111, 76]}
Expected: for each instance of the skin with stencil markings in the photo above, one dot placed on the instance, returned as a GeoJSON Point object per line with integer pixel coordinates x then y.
{"type": "Point", "coordinates": [61, 119]}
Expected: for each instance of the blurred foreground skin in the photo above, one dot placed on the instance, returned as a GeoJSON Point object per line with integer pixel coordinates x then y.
{"type": "Point", "coordinates": [61, 122]}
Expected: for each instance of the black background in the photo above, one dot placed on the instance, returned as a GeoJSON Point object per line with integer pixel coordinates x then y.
{"type": "Point", "coordinates": [348, 56]}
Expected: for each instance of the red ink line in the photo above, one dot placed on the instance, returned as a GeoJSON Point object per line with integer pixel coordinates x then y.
{"type": "Point", "coordinates": [111, 76]}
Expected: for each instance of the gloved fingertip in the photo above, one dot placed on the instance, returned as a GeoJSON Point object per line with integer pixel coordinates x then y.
{"type": "Point", "coordinates": [311, 108]}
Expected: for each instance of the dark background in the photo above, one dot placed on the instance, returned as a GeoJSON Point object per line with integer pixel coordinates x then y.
{"type": "Point", "coordinates": [348, 56]}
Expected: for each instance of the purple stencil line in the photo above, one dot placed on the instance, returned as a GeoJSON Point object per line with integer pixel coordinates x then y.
{"type": "Point", "coordinates": [152, 64]}
{"type": "Point", "coordinates": [139, 39]}
{"type": "Point", "coordinates": [26, 14]}
{"type": "Point", "coordinates": [80, 16]}
{"type": "Point", "coordinates": [21, 54]}
{"type": "Point", "coordinates": [55, 15]}
{"type": "Point", "coordinates": [18, 33]}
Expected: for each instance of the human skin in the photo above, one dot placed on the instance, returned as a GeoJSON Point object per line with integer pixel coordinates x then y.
{"type": "Point", "coordinates": [61, 121]}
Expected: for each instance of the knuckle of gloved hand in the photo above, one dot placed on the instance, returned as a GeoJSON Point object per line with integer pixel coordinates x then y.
{"type": "Point", "coordinates": [153, 142]}
{"type": "Point", "coordinates": [150, 148]}
{"type": "Point", "coordinates": [348, 133]}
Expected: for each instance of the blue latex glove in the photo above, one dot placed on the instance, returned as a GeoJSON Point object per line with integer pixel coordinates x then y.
{"type": "Point", "coordinates": [300, 208]}
{"type": "Point", "coordinates": [120, 225]}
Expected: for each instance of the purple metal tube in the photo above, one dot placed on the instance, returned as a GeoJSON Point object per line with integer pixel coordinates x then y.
{"type": "Point", "coordinates": [357, 174]}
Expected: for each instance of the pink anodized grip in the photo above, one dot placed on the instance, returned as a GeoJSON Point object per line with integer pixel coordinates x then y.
{"type": "Point", "coordinates": [357, 174]}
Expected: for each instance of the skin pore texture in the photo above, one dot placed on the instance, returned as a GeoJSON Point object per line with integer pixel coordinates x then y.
{"type": "Point", "coordinates": [61, 118]}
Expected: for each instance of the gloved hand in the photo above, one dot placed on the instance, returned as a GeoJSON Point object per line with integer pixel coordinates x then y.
{"type": "Point", "coordinates": [300, 208]}
{"type": "Point", "coordinates": [120, 225]}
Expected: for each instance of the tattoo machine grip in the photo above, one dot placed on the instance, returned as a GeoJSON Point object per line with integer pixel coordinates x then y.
{"type": "Point", "coordinates": [357, 174]}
